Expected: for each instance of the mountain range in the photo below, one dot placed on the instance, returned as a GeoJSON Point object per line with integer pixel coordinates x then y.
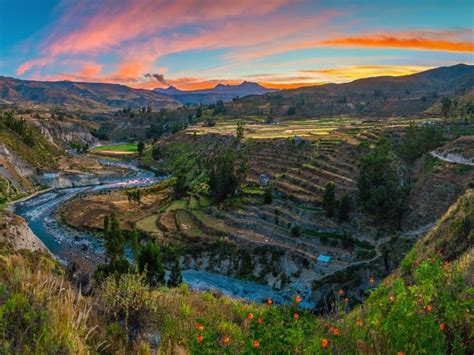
{"type": "Point", "coordinates": [219, 92]}
{"type": "Point", "coordinates": [383, 96]}
{"type": "Point", "coordinates": [79, 96]}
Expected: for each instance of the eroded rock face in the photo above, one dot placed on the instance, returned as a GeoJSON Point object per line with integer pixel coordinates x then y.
{"type": "Point", "coordinates": [64, 131]}
{"type": "Point", "coordinates": [21, 167]}
{"type": "Point", "coordinates": [16, 234]}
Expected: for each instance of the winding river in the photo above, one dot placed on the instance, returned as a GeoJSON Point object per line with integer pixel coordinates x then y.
{"type": "Point", "coordinates": [65, 243]}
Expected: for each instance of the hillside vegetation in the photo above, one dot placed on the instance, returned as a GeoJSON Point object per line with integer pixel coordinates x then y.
{"type": "Point", "coordinates": [424, 307]}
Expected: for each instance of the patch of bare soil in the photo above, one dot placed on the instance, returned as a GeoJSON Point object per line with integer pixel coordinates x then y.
{"type": "Point", "coordinates": [89, 211]}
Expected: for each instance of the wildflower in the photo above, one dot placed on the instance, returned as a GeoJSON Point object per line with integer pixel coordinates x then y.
{"type": "Point", "coordinates": [200, 338]}
{"type": "Point", "coordinates": [326, 325]}
{"type": "Point", "coordinates": [429, 308]}
{"type": "Point", "coordinates": [298, 299]}
{"type": "Point", "coordinates": [335, 331]}
{"type": "Point", "coordinates": [346, 299]}
{"type": "Point", "coordinates": [442, 326]}
{"type": "Point", "coordinates": [269, 301]}
{"type": "Point", "coordinates": [260, 321]}
{"type": "Point", "coordinates": [226, 340]}
{"type": "Point", "coordinates": [391, 297]}
{"type": "Point", "coordinates": [324, 343]}
{"type": "Point", "coordinates": [360, 322]}
{"type": "Point", "coordinates": [200, 327]}
{"type": "Point", "coordinates": [371, 280]}
{"type": "Point", "coordinates": [296, 316]}
{"type": "Point", "coordinates": [340, 292]}
{"type": "Point", "coordinates": [250, 316]}
{"type": "Point", "coordinates": [400, 353]}
{"type": "Point", "coordinates": [256, 344]}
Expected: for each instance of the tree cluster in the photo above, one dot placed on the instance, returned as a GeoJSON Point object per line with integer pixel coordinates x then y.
{"type": "Point", "coordinates": [381, 188]}
{"type": "Point", "coordinates": [333, 207]}
{"type": "Point", "coordinates": [226, 170]}
{"type": "Point", "coordinates": [147, 258]}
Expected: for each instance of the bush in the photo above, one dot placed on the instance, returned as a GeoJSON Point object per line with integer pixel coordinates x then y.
{"type": "Point", "coordinates": [295, 230]}
{"type": "Point", "coordinates": [130, 301]}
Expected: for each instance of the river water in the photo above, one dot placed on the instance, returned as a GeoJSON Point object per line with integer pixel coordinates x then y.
{"type": "Point", "coordinates": [40, 213]}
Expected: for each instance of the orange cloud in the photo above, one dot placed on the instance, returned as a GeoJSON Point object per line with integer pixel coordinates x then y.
{"type": "Point", "coordinates": [282, 86]}
{"type": "Point", "coordinates": [364, 71]}
{"type": "Point", "coordinates": [387, 41]}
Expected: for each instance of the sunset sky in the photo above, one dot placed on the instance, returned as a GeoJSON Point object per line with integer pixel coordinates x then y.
{"type": "Point", "coordinates": [195, 44]}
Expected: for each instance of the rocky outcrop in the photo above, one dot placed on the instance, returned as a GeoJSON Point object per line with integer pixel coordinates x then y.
{"type": "Point", "coordinates": [15, 169]}
{"type": "Point", "coordinates": [65, 131]}
{"type": "Point", "coordinates": [59, 180]}
{"type": "Point", "coordinates": [15, 234]}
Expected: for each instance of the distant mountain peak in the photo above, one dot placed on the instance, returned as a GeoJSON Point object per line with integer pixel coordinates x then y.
{"type": "Point", "coordinates": [224, 92]}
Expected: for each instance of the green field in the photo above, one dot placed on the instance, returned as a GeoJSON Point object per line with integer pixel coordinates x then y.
{"type": "Point", "coordinates": [128, 148]}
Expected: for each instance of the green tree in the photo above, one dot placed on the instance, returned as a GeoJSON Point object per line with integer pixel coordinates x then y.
{"type": "Point", "coordinates": [240, 131]}
{"type": "Point", "coordinates": [149, 263]}
{"type": "Point", "coordinates": [176, 278]}
{"type": "Point", "coordinates": [114, 241]}
{"type": "Point", "coordinates": [381, 190]}
{"type": "Point", "coordinates": [156, 152]}
{"type": "Point", "coordinates": [134, 242]}
{"type": "Point", "coordinates": [419, 140]}
{"type": "Point", "coordinates": [329, 200]}
{"type": "Point", "coordinates": [180, 186]}
{"type": "Point", "coordinates": [199, 112]}
{"type": "Point", "coordinates": [140, 147]}
{"type": "Point", "coordinates": [344, 208]}
{"type": "Point", "coordinates": [226, 171]}
{"type": "Point", "coordinates": [268, 194]}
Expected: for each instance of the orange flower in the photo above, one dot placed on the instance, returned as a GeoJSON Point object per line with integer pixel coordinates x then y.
{"type": "Point", "coordinates": [335, 331]}
{"type": "Point", "coordinates": [200, 338]}
{"type": "Point", "coordinates": [200, 327]}
{"type": "Point", "coordinates": [360, 322]}
{"type": "Point", "coordinates": [371, 280]}
{"type": "Point", "coordinates": [296, 316]}
{"type": "Point", "coordinates": [442, 326]}
{"type": "Point", "coordinates": [340, 292]}
{"type": "Point", "coordinates": [269, 301]}
{"type": "Point", "coordinates": [298, 299]}
{"type": "Point", "coordinates": [324, 343]}
{"type": "Point", "coordinates": [260, 321]}
{"type": "Point", "coordinates": [346, 299]}
{"type": "Point", "coordinates": [429, 308]}
{"type": "Point", "coordinates": [256, 344]}
{"type": "Point", "coordinates": [326, 325]}
{"type": "Point", "coordinates": [391, 297]}
{"type": "Point", "coordinates": [400, 353]}
{"type": "Point", "coordinates": [250, 316]}
{"type": "Point", "coordinates": [226, 340]}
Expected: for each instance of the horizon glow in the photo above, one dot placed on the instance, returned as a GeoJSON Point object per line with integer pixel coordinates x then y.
{"type": "Point", "coordinates": [194, 44]}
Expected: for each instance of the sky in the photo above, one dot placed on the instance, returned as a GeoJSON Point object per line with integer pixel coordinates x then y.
{"type": "Point", "coordinates": [195, 44]}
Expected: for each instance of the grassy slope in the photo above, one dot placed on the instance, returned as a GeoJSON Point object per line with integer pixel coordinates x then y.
{"type": "Point", "coordinates": [40, 154]}
{"type": "Point", "coordinates": [425, 306]}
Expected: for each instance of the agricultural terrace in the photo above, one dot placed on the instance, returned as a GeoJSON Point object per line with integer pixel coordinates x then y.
{"type": "Point", "coordinates": [310, 129]}
{"type": "Point", "coordinates": [116, 149]}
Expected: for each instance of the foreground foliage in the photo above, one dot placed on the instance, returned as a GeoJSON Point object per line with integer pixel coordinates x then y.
{"type": "Point", "coordinates": [424, 307]}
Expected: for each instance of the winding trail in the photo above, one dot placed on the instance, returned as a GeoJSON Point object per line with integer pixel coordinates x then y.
{"type": "Point", "coordinates": [453, 158]}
